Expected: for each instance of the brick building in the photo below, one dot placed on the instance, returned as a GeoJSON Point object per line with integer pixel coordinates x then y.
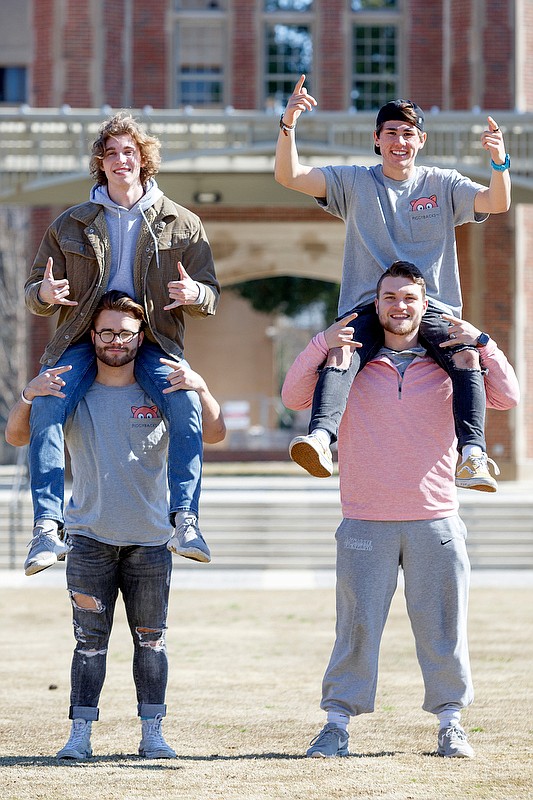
{"type": "Point", "coordinates": [234, 56]}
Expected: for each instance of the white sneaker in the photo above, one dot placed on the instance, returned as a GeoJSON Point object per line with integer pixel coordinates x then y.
{"type": "Point", "coordinates": [453, 743]}
{"type": "Point", "coordinates": [45, 547]}
{"type": "Point", "coordinates": [312, 454]}
{"type": "Point", "coordinates": [152, 743]}
{"type": "Point", "coordinates": [187, 540]}
{"type": "Point", "coordinates": [78, 747]}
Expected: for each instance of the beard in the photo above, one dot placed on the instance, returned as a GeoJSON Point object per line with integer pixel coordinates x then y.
{"type": "Point", "coordinates": [399, 327]}
{"type": "Point", "coordinates": [115, 359]}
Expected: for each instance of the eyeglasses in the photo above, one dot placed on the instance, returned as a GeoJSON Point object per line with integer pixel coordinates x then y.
{"type": "Point", "coordinates": [108, 336]}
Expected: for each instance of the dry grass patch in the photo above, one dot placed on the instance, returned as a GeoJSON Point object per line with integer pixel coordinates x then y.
{"type": "Point", "coordinates": [243, 703]}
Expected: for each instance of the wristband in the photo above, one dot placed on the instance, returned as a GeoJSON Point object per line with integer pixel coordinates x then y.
{"type": "Point", "coordinates": [25, 399]}
{"type": "Point", "coordinates": [502, 167]}
{"type": "Point", "coordinates": [284, 127]}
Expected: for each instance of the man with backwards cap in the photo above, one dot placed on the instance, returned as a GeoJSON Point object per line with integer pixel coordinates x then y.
{"type": "Point", "coordinates": [397, 210]}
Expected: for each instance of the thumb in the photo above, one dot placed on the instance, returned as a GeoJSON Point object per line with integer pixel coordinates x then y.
{"type": "Point", "coordinates": [48, 274]}
{"type": "Point", "coordinates": [182, 271]}
{"type": "Point", "coordinates": [493, 125]}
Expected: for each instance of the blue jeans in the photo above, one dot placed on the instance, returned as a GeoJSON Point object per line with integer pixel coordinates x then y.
{"type": "Point", "coordinates": [182, 411]}
{"type": "Point", "coordinates": [333, 385]}
{"type": "Point", "coordinates": [98, 571]}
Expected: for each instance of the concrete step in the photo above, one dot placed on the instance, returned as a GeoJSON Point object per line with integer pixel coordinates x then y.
{"type": "Point", "coordinates": [264, 522]}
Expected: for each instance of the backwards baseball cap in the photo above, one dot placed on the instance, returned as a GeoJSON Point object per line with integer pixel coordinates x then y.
{"type": "Point", "coordinates": [404, 110]}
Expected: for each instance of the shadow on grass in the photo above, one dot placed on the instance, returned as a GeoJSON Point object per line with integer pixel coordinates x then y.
{"type": "Point", "coordinates": [137, 762]}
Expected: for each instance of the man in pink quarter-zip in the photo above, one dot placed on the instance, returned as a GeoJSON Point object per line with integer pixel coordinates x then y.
{"type": "Point", "coordinates": [397, 454]}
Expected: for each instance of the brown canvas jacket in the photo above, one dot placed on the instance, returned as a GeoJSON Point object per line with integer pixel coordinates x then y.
{"type": "Point", "coordinates": [78, 242]}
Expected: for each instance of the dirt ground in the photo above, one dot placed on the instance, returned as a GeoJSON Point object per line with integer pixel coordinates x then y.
{"type": "Point", "coordinates": [243, 703]}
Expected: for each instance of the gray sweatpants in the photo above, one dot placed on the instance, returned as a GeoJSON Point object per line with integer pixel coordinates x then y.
{"type": "Point", "coordinates": [436, 570]}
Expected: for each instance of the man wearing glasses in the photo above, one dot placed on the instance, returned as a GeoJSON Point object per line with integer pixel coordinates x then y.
{"type": "Point", "coordinates": [128, 237]}
{"type": "Point", "coordinates": [117, 523]}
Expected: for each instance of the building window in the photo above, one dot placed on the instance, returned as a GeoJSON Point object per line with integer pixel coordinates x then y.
{"type": "Point", "coordinates": [13, 87]}
{"type": "Point", "coordinates": [375, 57]}
{"type": "Point", "coordinates": [288, 43]}
{"type": "Point", "coordinates": [200, 5]}
{"type": "Point", "coordinates": [373, 5]}
{"type": "Point", "coordinates": [200, 63]}
{"type": "Point", "coordinates": [288, 5]}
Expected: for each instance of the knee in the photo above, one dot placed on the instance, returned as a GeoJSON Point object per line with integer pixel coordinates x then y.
{"type": "Point", "coordinates": [339, 357]}
{"type": "Point", "coordinates": [153, 638]}
{"type": "Point", "coordinates": [85, 602]}
{"type": "Point", "coordinates": [466, 359]}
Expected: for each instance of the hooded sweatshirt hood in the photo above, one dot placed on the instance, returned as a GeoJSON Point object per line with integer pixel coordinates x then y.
{"type": "Point", "coordinates": [124, 225]}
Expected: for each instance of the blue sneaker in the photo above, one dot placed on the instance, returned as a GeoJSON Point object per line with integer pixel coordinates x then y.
{"type": "Point", "coordinates": [78, 747]}
{"type": "Point", "coordinates": [152, 743]}
{"type": "Point", "coordinates": [187, 540]}
{"type": "Point", "coordinates": [46, 548]}
{"type": "Point", "coordinates": [330, 742]}
{"type": "Point", "coordinates": [453, 743]}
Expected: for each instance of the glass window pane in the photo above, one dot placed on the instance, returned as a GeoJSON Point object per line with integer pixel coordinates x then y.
{"type": "Point", "coordinates": [373, 5]}
{"type": "Point", "coordinates": [289, 53]}
{"type": "Point", "coordinates": [13, 85]}
{"type": "Point", "coordinates": [288, 5]}
{"type": "Point", "coordinates": [200, 64]}
{"type": "Point", "coordinates": [375, 68]}
{"type": "Point", "coordinates": [200, 5]}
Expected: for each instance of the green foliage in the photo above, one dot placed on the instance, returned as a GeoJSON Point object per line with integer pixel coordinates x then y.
{"type": "Point", "coordinates": [289, 295]}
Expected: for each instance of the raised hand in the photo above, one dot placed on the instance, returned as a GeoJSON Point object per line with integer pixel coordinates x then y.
{"type": "Point", "coordinates": [47, 383]}
{"type": "Point", "coordinates": [183, 292]}
{"type": "Point", "coordinates": [341, 333]}
{"type": "Point", "coordinates": [459, 331]}
{"type": "Point", "coordinates": [298, 102]}
{"type": "Point", "coordinates": [492, 140]}
{"type": "Point", "coordinates": [54, 292]}
{"type": "Point", "coordinates": [181, 377]}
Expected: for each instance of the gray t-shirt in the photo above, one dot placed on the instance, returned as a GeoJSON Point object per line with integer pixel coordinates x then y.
{"type": "Point", "coordinates": [411, 220]}
{"type": "Point", "coordinates": [118, 445]}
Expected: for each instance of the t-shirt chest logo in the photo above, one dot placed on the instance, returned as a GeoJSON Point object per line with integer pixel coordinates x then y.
{"type": "Point", "coordinates": [144, 412]}
{"type": "Point", "coordinates": [424, 203]}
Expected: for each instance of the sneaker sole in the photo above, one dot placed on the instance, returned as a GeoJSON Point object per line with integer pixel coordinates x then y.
{"type": "Point", "coordinates": [307, 457]}
{"type": "Point", "coordinates": [318, 754]}
{"type": "Point", "coordinates": [33, 569]}
{"type": "Point", "coordinates": [466, 483]}
{"type": "Point", "coordinates": [456, 755]}
{"type": "Point", "coordinates": [193, 554]}
{"type": "Point", "coordinates": [157, 754]}
{"type": "Point", "coordinates": [73, 755]}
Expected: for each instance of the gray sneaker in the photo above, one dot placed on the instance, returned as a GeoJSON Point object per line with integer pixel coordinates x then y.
{"type": "Point", "coordinates": [46, 548]}
{"type": "Point", "coordinates": [311, 454]}
{"type": "Point", "coordinates": [152, 743]}
{"type": "Point", "coordinates": [187, 540]}
{"type": "Point", "coordinates": [453, 743]}
{"type": "Point", "coordinates": [78, 747]}
{"type": "Point", "coordinates": [330, 742]}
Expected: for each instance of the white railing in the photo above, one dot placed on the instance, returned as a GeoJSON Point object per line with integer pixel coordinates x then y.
{"type": "Point", "coordinates": [42, 143]}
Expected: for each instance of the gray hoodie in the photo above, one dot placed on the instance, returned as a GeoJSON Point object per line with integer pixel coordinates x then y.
{"type": "Point", "coordinates": [124, 225]}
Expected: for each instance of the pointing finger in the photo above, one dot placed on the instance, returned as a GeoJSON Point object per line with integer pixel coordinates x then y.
{"type": "Point", "coordinates": [299, 84]}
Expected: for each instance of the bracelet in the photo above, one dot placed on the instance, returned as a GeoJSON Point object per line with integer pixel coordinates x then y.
{"type": "Point", "coordinates": [502, 167]}
{"type": "Point", "coordinates": [284, 127]}
{"type": "Point", "coordinates": [25, 399]}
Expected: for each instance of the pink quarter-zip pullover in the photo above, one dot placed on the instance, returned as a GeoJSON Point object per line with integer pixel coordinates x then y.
{"type": "Point", "coordinates": [397, 436]}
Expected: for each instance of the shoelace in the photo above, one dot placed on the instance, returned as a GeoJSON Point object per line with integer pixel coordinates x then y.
{"type": "Point", "coordinates": [456, 733]}
{"type": "Point", "coordinates": [153, 734]}
{"type": "Point", "coordinates": [483, 461]}
{"type": "Point", "coordinates": [41, 535]}
{"type": "Point", "coordinates": [78, 733]}
{"type": "Point", "coordinates": [326, 735]}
